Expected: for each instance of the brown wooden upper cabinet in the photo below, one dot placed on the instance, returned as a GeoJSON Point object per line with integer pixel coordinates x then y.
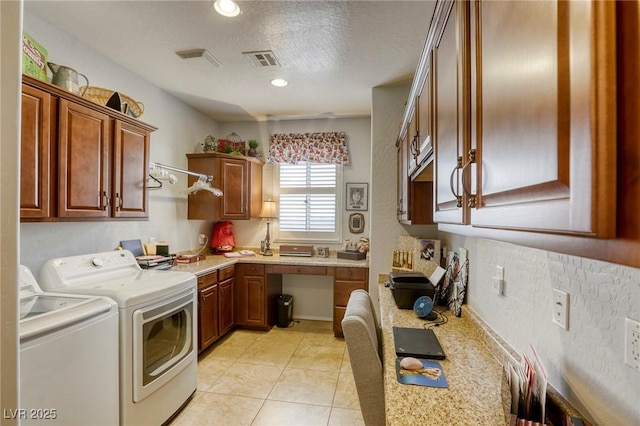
{"type": "Point", "coordinates": [450, 52]}
{"type": "Point", "coordinates": [83, 161]}
{"type": "Point", "coordinates": [130, 170]}
{"type": "Point", "coordinates": [80, 160]}
{"type": "Point", "coordinates": [422, 145]}
{"type": "Point", "coordinates": [239, 178]}
{"type": "Point", "coordinates": [543, 119]}
{"type": "Point", "coordinates": [415, 183]}
{"type": "Point", "coordinates": [524, 116]}
{"type": "Point", "coordinates": [402, 163]}
{"type": "Point", "coordinates": [36, 151]}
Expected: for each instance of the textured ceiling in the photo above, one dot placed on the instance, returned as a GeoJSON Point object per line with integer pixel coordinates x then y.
{"type": "Point", "coordinates": [331, 52]}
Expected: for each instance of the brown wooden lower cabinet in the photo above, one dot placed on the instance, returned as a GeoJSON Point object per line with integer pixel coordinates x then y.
{"type": "Point", "coordinates": [345, 281]}
{"type": "Point", "coordinates": [259, 285]}
{"type": "Point", "coordinates": [256, 294]}
{"type": "Point", "coordinates": [207, 310]}
{"type": "Point", "coordinates": [216, 313]}
{"type": "Point", "coordinates": [226, 302]}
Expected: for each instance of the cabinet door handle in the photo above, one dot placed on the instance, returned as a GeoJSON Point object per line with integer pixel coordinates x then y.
{"type": "Point", "coordinates": [466, 182]}
{"type": "Point", "coordinates": [465, 188]}
{"type": "Point", "coordinates": [106, 200]}
{"type": "Point", "coordinates": [118, 202]}
{"type": "Point", "coordinates": [453, 172]}
{"type": "Point", "coordinates": [414, 147]}
{"type": "Point", "coordinates": [400, 211]}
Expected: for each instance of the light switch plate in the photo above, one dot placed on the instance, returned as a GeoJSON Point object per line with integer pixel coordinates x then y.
{"type": "Point", "coordinates": [561, 308]}
{"type": "Point", "coordinates": [632, 343]}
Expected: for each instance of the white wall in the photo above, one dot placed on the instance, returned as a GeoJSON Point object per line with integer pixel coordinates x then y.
{"type": "Point", "coordinates": [388, 108]}
{"type": "Point", "coordinates": [358, 131]}
{"type": "Point", "coordinates": [180, 129]}
{"type": "Point", "coordinates": [10, 71]}
{"type": "Point", "coordinates": [585, 363]}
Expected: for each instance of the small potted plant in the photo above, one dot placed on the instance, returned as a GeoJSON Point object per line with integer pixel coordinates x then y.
{"type": "Point", "coordinates": [253, 144]}
{"type": "Point", "coordinates": [210, 144]}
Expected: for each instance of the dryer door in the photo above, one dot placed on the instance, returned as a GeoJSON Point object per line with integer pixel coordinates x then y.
{"type": "Point", "coordinates": [163, 342]}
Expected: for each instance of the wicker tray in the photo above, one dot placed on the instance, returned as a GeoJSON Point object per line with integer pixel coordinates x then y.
{"type": "Point", "coordinates": [100, 96]}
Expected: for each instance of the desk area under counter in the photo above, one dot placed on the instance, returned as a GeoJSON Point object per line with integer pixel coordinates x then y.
{"type": "Point", "coordinates": [257, 284]}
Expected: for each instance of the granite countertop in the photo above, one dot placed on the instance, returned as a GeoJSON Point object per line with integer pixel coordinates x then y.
{"type": "Point", "coordinates": [213, 262]}
{"type": "Point", "coordinates": [474, 374]}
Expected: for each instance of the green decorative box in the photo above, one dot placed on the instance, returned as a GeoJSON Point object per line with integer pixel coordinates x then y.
{"type": "Point", "coordinates": [34, 58]}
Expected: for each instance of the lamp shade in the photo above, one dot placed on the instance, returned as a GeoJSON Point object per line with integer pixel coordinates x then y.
{"type": "Point", "coordinates": [269, 210]}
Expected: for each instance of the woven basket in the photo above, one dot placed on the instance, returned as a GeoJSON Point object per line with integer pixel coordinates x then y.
{"type": "Point", "coordinates": [101, 96]}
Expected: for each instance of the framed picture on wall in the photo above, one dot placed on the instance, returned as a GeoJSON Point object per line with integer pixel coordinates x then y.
{"type": "Point", "coordinates": [356, 223]}
{"type": "Point", "coordinates": [357, 196]}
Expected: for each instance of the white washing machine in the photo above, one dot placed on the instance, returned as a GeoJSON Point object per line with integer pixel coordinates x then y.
{"type": "Point", "coordinates": [157, 316]}
{"type": "Point", "coordinates": [68, 358]}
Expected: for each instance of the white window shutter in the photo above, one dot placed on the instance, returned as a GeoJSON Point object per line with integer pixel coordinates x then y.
{"type": "Point", "coordinates": [308, 202]}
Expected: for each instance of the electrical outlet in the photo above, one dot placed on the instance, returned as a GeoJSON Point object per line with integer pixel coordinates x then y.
{"type": "Point", "coordinates": [561, 308]}
{"type": "Point", "coordinates": [498, 281]}
{"type": "Point", "coordinates": [498, 286]}
{"type": "Point", "coordinates": [152, 240]}
{"type": "Point", "coordinates": [632, 343]}
{"type": "Point", "coordinates": [202, 238]}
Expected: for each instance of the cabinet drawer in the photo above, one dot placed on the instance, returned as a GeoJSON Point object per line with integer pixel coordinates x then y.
{"type": "Point", "coordinates": [225, 273]}
{"type": "Point", "coordinates": [251, 269]}
{"type": "Point", "coordinates": [342, 290]}
{"type": "Point", "coordinates": [298, 269]}
{"type": "Point", "coordinates": [207, 280]}
{"type": "Point", "coordinates": [355, 274]}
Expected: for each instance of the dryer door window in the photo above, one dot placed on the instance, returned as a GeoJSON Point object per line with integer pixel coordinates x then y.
{"type": "Point", "coordinates": [163, 340]}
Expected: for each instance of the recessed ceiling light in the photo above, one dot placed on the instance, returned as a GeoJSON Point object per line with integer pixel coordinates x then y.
{"type": "Point", "coordinates": [279, 82]}
{"type": "Point", "coordinates": [226, 8]}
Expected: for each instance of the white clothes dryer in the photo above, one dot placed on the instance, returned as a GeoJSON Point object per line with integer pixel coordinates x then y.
{"type": "Point", "coordinates": [157, 324]}
{"type": "Point", "coordinates": [68, 358]}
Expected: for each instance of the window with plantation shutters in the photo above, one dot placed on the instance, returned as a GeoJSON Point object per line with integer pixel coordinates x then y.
{"type": "Point", "coordinates": [308, 202]}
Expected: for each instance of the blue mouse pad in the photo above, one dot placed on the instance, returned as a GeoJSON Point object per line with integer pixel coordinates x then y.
{"type": "Point", "coordinates": [431, 374]}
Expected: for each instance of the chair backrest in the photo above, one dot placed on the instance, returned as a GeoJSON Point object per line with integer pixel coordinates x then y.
{"type": "Point", "coordinates": [362, 335]}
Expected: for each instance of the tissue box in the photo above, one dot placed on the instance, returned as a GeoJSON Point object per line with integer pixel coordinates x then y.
{"type": "Point", "coordinates": [34, 58]}
{"type": "Point", "coordinates": [351, 255]}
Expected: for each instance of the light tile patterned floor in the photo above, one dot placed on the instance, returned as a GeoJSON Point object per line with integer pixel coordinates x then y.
{"type": "Point", "coordinates": [287, 376]}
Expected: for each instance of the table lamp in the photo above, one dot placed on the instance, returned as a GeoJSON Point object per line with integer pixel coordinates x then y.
{"type": "Point", "coordinates": [268, 212]}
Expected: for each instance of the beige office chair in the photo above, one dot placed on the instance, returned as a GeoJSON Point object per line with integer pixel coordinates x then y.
{"type": "Point", "coordinates": [363, 337]}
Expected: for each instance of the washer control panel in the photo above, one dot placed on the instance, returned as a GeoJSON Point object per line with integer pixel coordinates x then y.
{"type": "Point", "coordinates": [74, 270]}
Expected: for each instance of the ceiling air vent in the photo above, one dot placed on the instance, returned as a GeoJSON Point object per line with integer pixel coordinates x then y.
{"type": "Point", "coordinates": [200, 54]}
{"type": "Point", "coordinates": [262, 58]}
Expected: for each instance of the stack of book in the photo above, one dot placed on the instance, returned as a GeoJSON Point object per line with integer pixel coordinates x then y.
{"type": "Point", "coordinates": [240, 253]}
{"type": "Point", "coordinates": [189, 258]}
{"type": "Point", "coordinates": [156, 261]}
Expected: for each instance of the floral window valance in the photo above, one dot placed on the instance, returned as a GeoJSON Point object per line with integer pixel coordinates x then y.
{"type": "Point", "coordinates": [324, 148]}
